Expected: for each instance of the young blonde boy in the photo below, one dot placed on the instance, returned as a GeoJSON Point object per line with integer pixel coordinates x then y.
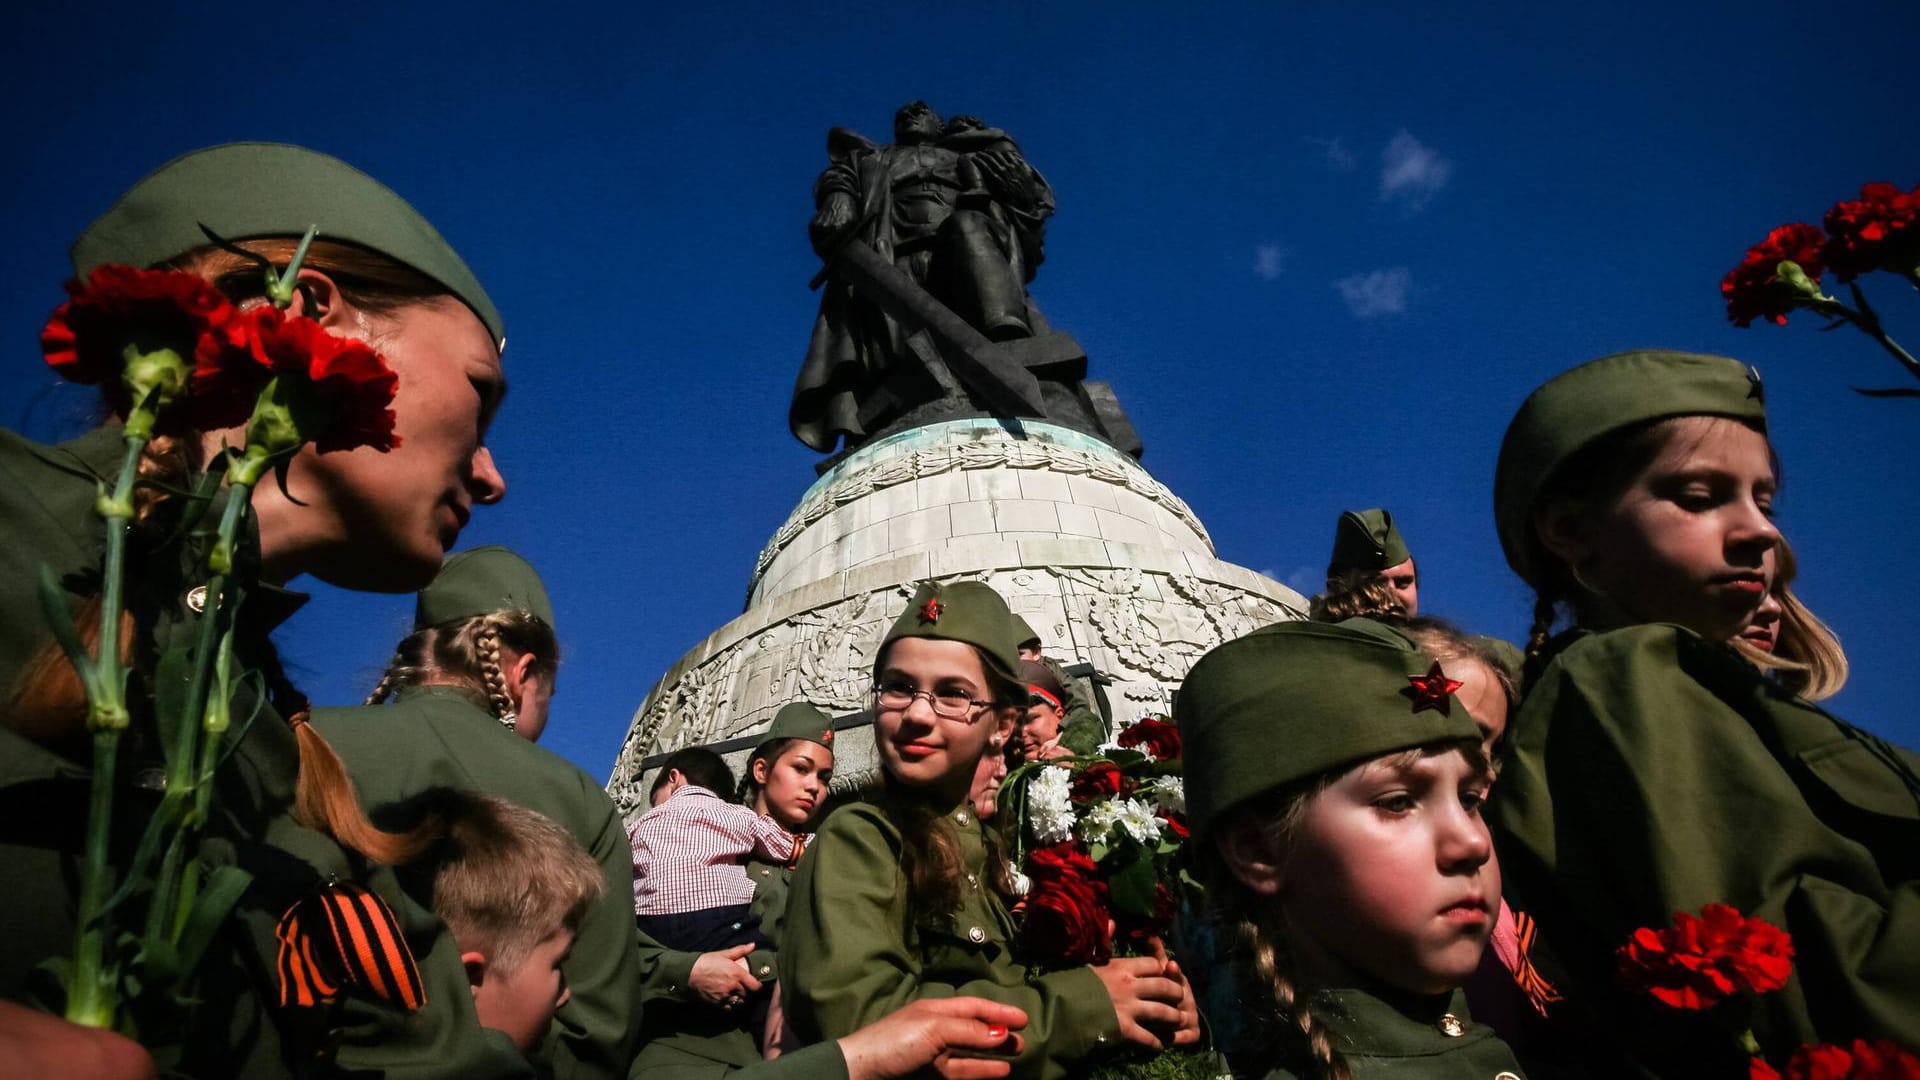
{"type": "Point", "coordinates": [512, 886]}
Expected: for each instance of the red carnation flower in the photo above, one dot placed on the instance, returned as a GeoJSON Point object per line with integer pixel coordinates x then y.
{"type": "Point", "coordinates": [1066, 921]}
{"type": "Point", "coordinates": [1753, 290]}
{"type": "Point", "coordinates": [1881, 1060]}
{"type": "Point", "coordinates": [1157, 739]}
{"type": "Point", "coordinates": [347, 386]}
{"type": "Point", "coordinates": [1758, 1069]}
{"type": "Point", "coordinates": [86, 338]}
{"type": "Point", "coordinates": [1062, 860]}
{"type": "Point", "coordinates": [1878, 231]}
{"type": "Point", "coordinates": [1700, 962]}
{"type": "Point", "coordinates": [1098, 779]}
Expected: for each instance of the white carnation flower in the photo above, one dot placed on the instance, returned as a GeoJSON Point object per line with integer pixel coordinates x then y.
{"type": "Point", "coordinates": [1022, 884]}
{"type": "Point", "coordinates": [1169, 794]}
{"type": "Point", "coordinates": [1050, 805]}
{"type": "Point", "coordinates": [1099, 820]}
{"type": "Point", "coordinates": [1138, 819]}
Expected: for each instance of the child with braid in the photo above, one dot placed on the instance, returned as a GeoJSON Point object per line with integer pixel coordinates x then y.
{"type": "Point", "coordinates": [1653, 768]}
{"type": "Point", "coordinates": [1334, 784]}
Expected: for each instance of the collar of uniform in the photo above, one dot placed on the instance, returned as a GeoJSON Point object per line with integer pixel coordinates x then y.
{"type": "Point", "coordinates": [442, 691]}
{"type": "Point", "coordinates": [1396, 1025]}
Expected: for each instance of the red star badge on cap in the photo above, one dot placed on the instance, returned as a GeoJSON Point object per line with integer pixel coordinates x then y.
{"type": "Point", "coordinates": [827, 736]}
{"type": "Point", "coordinates": [1434, 690]}
{"type": "Point", "coordinates": [930, 611]}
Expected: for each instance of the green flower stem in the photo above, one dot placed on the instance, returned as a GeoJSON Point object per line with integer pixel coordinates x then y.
{"type": "Point", "coordinates": [91, 997]}
{"type": "Point", "coordinates": [1868, 321]}
{"type": "Point", "coordinates": [189, 774]}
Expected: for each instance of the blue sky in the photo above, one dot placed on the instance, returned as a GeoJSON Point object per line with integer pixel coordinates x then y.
{"type": "Point", "coordinates": [1320, 251]}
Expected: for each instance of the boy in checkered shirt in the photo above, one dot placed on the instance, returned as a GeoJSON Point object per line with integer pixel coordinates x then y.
{"type": "Point", "coordinates": [690, 886]}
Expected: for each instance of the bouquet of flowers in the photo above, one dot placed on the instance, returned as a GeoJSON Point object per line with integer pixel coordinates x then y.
{"type": "Point", "coordinates": [1878, 232]}
{"type": "Point", "coordinates": [176, 358]}
{"type": "Point", "coordinates": [1097, 844]}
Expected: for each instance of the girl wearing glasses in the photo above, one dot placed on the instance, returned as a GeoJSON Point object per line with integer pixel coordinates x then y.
{"type": "Point", "coordinates": [904, 897]}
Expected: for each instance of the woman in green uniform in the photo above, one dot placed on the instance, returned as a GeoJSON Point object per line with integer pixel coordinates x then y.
{"type": "Point", "coordinates": [1334, 781]}
{"type": "Point", "coordinates": [901, 899]}
{"type": "Point", "coordinates": [693, 1025]}
{"type": "Point", "coordinates": [1654, 770]}
{"type": "Point", "coordinates": [470, 688]}
{"type": "Point", "coordinates": [360, 519]}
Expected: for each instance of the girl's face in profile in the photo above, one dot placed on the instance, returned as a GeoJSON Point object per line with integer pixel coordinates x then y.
{"type": "Point", "coordinates": [1391, 874]}
{"type": "Point", "coordinates": [1691, 540]}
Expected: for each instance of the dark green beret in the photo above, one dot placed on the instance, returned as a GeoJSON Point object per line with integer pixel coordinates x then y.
{"type": "Point", "coordinates": [1024, 633]}
{"type": "Point", "coordinates": [1366, 540]}
{"type": "Point", "coordinates": [1599, 397]}
{"type": "Point", "coordinates": [800, 720]}
{"type": "Point", "coordinates": [245, 191]}
{"type": "Point", "coordinates": [481, 581]}
{"type": "Point", "coordinates": [968, 611]}
{"type": "Point", "coordinates": [1298, 699]}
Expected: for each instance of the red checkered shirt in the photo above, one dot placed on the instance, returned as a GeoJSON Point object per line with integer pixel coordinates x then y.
{"type": "Point", "coordinates": [688, 852]}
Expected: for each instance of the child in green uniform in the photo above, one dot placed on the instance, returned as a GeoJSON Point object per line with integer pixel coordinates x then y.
{"type": "Point", "coordinates": [693, 1023]}
{"type": "Point", "coordinates": [1653, 769]}
{"type": "Point", "coordinates": [359, 519]}
{"type": "Point", "coordinates": [469, 690]}
{"type": "Point", "coordinates": [1334, 783]}
{"type": "Point", "coordinates": [901, 899]}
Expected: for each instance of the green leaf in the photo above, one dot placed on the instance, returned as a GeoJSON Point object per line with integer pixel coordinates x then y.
{"type": "Point", "coordinates": [1096, 851]}
{"type": "Point", "coordinates": [221, 891]}
{"type": "Point", "coordinates": [53, 604]}
{"type": "Point", "coordinates": [1132, 888]}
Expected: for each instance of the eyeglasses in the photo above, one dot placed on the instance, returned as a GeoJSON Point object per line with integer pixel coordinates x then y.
{"type": "Point", "coordinates": [952, 704]}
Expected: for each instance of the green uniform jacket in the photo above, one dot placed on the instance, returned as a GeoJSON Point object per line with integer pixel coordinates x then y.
{"type": "Point", "coordinates": [1653, 772]}
{"type": "Point", "coordinates": [683, 1037]}
{"type": "Point", "coordinates": [1427, 1039]}
{"type": "Point", "coordinates": [855, 950]}
{"type": "Point", "coordinates": [46, 516]}
{"type": "Point", "coordinates": [440, 736]}
{"type": "Point", "coordinates": [1083, 730]}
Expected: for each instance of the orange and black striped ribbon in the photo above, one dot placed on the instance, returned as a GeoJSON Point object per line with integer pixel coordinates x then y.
{"type": "Point", "coordinates": [345, 937]}
{"type": "Point", "coordinates": [1531, 982]}
{"type": "Point", "coordinates": [799, 849]}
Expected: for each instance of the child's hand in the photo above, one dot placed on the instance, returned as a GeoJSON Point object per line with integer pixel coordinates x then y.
{"type": "Point", "coordinates": [1189, 1030]}
{"type": "Point", "coordinates": [721, 978]}
{"type": "Point", "coordinates": [1145, 995]}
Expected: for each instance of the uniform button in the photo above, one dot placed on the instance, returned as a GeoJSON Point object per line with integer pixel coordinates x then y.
{"type": "Point", "coordinates": [197, 598]}
{"type": "Point", "coordinates": [765, 970]}
{"type": "Point", "coordinates": [960, 817]}
{"type": "Point", "coordinates": [1505, 1076]}
{"type": "Point", "coordinates": [764, 871]}
{"type": "Point", "coordinates": [1451, 1027]}
{"type": "Point", "coordinates": [976, 935]}
{"type": "Point", "coordinates": [973, 881]}
{"type": "Point", "coordinates": [736, 926]}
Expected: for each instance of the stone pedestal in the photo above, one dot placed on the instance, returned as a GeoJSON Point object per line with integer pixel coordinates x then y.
{"type": "Point", "coordinates": [1103, 560]}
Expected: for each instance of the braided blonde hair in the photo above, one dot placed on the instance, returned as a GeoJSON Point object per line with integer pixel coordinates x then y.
{"type": "Point", "coordinates": [1260, 957]}
{"type": "Point", "coordinates": [467, 653]}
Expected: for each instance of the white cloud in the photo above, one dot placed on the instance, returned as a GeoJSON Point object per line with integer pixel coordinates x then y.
{"type": "Point", "coordinates": [1411, 172]}
{"type": "Point", "coordinates": [1339, 156]}
{"type": "Point", "coordinates": [1270, 260]}
{"type": "Point", "coordinates": [1376, 292]}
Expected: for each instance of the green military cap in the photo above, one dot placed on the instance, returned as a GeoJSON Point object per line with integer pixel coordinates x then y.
{"type": "Point", "coordinates": [1298, 699]}
{"type": "Point", "coordinates": [799, 720]}
{"type": "Point", "coordinates": [1366, 540]}
{"type": "Point", "coordinates": [1042, 684]}
{"type": "Point", "coordinates": [1577, 407]}
{"type": "Point", "coordinates": [968, 611]}
{"type": "Point", "coordinates": [1023, 633]}
{"type": "Point", "coordinates": [481, 581]}
{"type": "Point", "coordinates": [250, 190]}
